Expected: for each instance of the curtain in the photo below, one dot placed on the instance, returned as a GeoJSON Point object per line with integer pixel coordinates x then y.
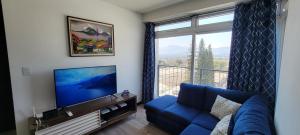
{"type": "Point", "coordinates": [252, 66]}
{"type": "Point", "coordinates": [149, 63]}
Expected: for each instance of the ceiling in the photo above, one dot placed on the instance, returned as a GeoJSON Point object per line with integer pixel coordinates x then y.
{"type": "Point", "coordinates": [143, 6]}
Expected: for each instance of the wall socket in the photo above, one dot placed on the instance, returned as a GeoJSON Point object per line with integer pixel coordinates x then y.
{"type": "Point", "coordinates": [26, 71]}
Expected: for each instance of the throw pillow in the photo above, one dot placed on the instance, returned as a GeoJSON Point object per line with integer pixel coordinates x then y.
{"type": "Point", "coordinates": [222, 126]}
{"type": "Point", "coordinates": [223, 107]}
{"type": "Point", "coordinates": [231, 124]}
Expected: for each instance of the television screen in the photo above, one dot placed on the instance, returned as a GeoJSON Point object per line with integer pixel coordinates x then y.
{"type": "Point", "coordinates": [76, 85]}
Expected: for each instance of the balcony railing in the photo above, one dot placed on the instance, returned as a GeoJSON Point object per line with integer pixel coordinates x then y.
{"type": "Point", "coordinates": [170, 78]}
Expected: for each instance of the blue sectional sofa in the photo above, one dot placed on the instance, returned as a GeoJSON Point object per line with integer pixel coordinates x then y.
{"type": "Point", "coordinates": [189, 113]}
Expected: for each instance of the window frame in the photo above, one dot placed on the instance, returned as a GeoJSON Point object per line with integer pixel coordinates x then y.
{"type": "Point", "coordinates": [197, 29]}
{"type": "Point", "coordinates": [157, 29]}
{"type": "Point", "coordinates": [194, 30]}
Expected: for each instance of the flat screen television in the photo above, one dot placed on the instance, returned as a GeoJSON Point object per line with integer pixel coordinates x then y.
{"type": "Point", "coordinates": [77, 85]}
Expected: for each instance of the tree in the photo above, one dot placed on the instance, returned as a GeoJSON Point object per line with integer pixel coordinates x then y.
{"type": "Point", "coordinates": [179, 62]}
{"type": "Point", "coordinates": [189, 62]}
{"type": "Point", "coordinates": [210, 65]}
{"type": "Point", "coordinates": [161, 62]}
{"type": "Point", "coordinates": [204, 65]}
{"type": "Point", "coordinates": [200, 62]}
{"type": "Point", "coordinates": [189, 56]}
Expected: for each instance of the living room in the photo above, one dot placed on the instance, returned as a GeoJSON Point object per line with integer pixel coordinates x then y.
{"type": "Point", "coordinates": [159, 50]}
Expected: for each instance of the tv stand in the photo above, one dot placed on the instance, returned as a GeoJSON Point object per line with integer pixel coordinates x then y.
{"type": "Point", "coordinates": [114, 96]}
{"type": "Point", "coordinates": [88, 117]}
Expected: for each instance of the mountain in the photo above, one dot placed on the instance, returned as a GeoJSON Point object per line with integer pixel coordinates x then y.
{"type": "Point", "coordinates": [174, 52]}
{"type": "Point", "coordinates": [92, 32]}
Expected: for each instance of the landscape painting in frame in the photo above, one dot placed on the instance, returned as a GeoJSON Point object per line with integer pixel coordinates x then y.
{"type": "Point", "coordinates": [90, 38]}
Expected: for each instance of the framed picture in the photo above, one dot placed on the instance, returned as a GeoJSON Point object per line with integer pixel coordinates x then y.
{"type": "Point", "coordinates": [90, 38]}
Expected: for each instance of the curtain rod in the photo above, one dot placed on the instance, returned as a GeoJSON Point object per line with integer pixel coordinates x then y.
{"type": "Point", "coordinates": [282, 6]}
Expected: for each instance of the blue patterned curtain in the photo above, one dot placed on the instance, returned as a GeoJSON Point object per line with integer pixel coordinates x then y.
{"type": "Point", "coordinates": [252, 65]}
{"type": "Point", "coordinates": [149, 63]}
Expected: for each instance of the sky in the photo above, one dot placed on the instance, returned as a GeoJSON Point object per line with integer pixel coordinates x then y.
{"type": "Point", "coordinates": [217, 40]}
{"type": "Point", "coordinates": [181, 46]}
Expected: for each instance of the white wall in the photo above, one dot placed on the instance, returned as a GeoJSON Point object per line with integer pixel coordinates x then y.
{"type": "Point", "coordinates": [187, 8]}
{"type": "Point", "coordinates": [36, 33]}
{"type": "Point", "coordinates": [287, 110]}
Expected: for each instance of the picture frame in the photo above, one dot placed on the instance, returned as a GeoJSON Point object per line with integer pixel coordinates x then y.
{"type": "Point", "coordinates": [90, 38]}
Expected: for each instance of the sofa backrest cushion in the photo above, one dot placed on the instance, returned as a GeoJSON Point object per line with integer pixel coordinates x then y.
{"type": "Point", "coordinates": [253, 117]}
{"type": "Point", "coordinates": [192, 95]}
{"type": "Point", "coordinates": [233, 95]}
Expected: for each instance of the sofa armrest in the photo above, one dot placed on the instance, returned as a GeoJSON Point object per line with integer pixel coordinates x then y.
{"type": "Point", "coordinates": [253, 117]}
{"type": "Point", "coordinates": [192, 95]}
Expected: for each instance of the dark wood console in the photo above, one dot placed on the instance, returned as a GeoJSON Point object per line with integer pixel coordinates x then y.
{"type": "Point", "coordinates": [85, 113]}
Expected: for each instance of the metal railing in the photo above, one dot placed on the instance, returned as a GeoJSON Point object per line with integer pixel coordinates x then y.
{"type": "Point", "coordinates": [219, 77]}
{"type": "Point", "coordinates": [170, 78]}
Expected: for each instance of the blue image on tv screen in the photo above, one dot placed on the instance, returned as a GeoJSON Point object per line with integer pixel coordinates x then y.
{"type": "Point", "coordinates": [78, 85]}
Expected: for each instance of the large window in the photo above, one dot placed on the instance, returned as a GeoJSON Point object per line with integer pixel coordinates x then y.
{"type": "Point", "coordinates": [194, 51]}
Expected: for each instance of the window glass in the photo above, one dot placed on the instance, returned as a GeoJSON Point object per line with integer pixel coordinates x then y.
{"type": "Point", "coordinates": [174, 63]}
{"type": "Point", "coordinates": [209, 63]}
{"type": "Point", "coordinates": [212, 59]}
{"type": "Point", "coordinates": [173, 26]}
{"type": "Point", "coordinates": [216, 19]}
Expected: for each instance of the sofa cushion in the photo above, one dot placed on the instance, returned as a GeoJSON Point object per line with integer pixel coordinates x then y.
{"type": "Point", "coordinates": [231, 124]}
{"type": "Point", "coordinates": [253, 117]}
{"type": "Point", "coordinates": [193, 129]}
{"type": "Point", "coordinates": [206, 120]}
{"type": "Point", "coordinates": [234, 95]}
{"type": "Point", "coordinates": [192, 95]}
{"type": "Point", "coordinates": [164, 123]}
{"type": "Point", "coordinates": [223, 107]}
{"type": "Point", "coordinates": [180, 113]}
{"type": "Point", "coordinates": [222, 126]}
{"type": "Point", "coordinates": [161, 103]}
